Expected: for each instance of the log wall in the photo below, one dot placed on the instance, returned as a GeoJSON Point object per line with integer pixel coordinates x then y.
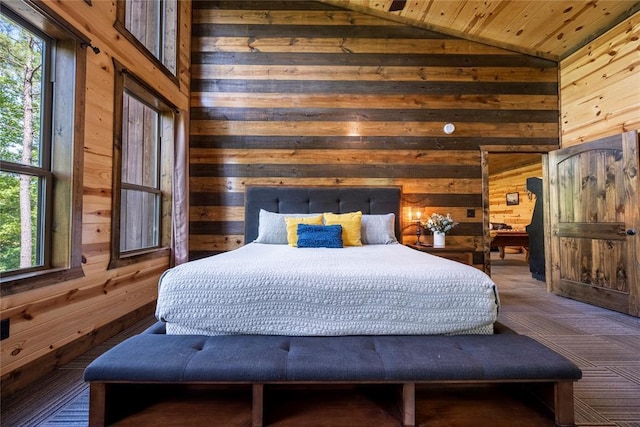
{"type": "Point", "coordinates": [600, 86]}
{"type": "Point", "coordinates": [302, 93]}
{"type": "Point", "coordinates": [52, 324]}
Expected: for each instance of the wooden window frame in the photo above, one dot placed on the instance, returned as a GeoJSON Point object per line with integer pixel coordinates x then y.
{"type": "Point", "coordinates": [127, 82]}
{"type": "Point", "coordinates": [120, 25]}
{"type": "Point", "coordinates": [63, 160]}
{"type": "Point", "coordinates": [43, 170]}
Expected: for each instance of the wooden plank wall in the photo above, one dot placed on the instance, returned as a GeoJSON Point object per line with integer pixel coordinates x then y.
{"type": "Point", "coordinates": [52, 324]}
{"type": "Point", "coordinates": [600, 97]}
{"type": "Point", "coordinates": [302, 93]}
{"type": "Point", "coordinates": [600, 86]}
{"type": "Point", "coordinates": [512, 181]}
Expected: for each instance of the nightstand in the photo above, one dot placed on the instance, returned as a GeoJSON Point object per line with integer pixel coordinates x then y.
{"type": "Point", "coordinates": [463, 254]}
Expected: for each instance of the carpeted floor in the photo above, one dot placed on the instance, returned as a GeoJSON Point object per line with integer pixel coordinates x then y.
{"type": "Point", "coordinates": [604, 344]}
{"type": "Point", "coordinates": [62, 397]}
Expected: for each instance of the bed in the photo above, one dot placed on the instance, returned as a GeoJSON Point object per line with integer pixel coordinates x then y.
{"type": "Point", "coordinates": [380, 287]}
{"type": "Point", "coordinates": [198, 353]}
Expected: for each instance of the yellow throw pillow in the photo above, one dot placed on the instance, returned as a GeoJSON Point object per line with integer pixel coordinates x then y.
{"type": "Point", "coordinates": [292, 226]}
{"type": "Point", "coordinates": [351, 226]}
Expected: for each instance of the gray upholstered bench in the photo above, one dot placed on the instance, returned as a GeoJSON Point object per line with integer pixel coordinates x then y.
{"type": "Point", "coordinates": [154, 357]}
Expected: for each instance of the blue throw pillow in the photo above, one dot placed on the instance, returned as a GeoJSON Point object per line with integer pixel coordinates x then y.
{"type": "Point", "coordinates": [319, 236]}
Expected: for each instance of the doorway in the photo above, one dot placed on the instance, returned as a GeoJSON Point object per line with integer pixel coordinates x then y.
{"type": "Point", "coordinates": [509, 205]}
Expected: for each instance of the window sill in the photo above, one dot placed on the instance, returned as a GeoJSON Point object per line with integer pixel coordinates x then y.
{"type": "Point", "coordinates": [138, 257]}
{"type": "Point", "coordinates": [36, 279]}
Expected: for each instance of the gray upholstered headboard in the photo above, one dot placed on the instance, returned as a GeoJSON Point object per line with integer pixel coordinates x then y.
{"type": "Point", "coordinates": [369, 200]}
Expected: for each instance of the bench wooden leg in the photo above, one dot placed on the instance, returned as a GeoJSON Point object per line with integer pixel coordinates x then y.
{"type": "Point", "coordinates": [408, 404]}
{"type": "Point", "coordinates": [97, 404]}
{"type": "Point", "coordinates": [563, 403]}
{"type": "Point", "coordinates": [257, 405]}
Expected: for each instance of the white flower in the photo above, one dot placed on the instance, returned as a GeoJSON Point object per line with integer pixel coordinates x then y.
{"type": "Point", "coordinates": [440, 223]}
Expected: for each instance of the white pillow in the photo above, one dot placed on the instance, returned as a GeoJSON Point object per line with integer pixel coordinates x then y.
{"type": "Point", "coordinates": [272, 228]}
{"type": "Point", "coordinates": [378, 229]}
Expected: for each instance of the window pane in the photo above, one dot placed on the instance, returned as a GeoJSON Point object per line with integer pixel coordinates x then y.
{"type": "Point", "coordinates": [139, 220]}
{"type": "Point", "coordinates": [155, 25]}
{"type": "Point", "coordinates": [19, 221]}
{"type": "Point", "coordinates": [139, 143]}
{"type": "Point", "coordinates": [170, 36]}
{"type": "Point", "coordinates": [142, 19]}
{"type": "Point", "coordinates": [20, 100]}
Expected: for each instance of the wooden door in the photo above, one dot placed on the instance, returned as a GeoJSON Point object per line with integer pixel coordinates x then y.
{"type": "Point", "coordinates": [595, 218]}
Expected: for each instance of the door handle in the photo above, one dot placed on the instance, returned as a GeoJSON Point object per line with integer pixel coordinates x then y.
{"type": "Point", "coordinates": [631, 232]}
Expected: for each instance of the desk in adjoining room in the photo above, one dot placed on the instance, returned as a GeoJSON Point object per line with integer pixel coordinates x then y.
{"type": "Point", "coordinates": [502, 238]}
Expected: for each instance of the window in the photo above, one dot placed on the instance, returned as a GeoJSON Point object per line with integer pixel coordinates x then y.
{"type": "Point", "coordinates": [40, 170]}
{"type": "Point", "coordinates": [153, 27]}
{"type": "Point", "coordinates": [142, 171]}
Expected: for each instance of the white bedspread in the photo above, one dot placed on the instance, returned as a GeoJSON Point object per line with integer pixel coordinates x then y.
{"type": "Point", "coordinates": [367, 290]}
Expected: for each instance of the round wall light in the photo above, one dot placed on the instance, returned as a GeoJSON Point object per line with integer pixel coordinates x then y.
{"type": "Point", "coordinates": [449, 128]}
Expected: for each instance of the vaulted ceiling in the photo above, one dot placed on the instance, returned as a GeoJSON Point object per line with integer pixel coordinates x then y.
{"type": "Point", "coordinates": [550, 29]}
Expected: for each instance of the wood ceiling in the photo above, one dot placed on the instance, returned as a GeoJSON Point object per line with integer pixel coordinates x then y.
{"type": "Point", "coordinates": [501, 162]}
{"type": "Point", "coordinates": [550, 29]}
